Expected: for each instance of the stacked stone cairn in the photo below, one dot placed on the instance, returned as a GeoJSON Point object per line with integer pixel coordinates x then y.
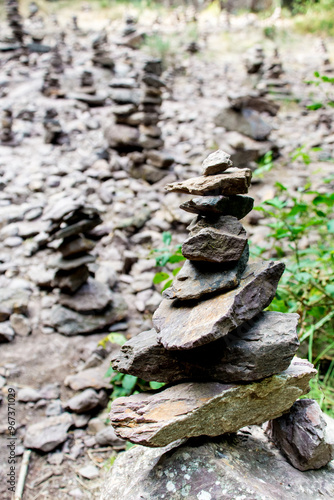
{"type": "Point", "coordinates": [273, 81]}
{"type": "Point", "coordinates": [130, 36]}
{"type": "Point", "coordinates": [6, 133]}
{"type": "Point", "coordinates": [54, 133]}
{"type": "Point", "coordinates": [84, 304]}
{"type": "Point", "coordinates": [15, 20]}
{"type": "Point", "coordinates": [254, 60]}
{"type": "Point", "coordinates": [137, 132]}
{"type": "Point", "coordinates": [101, 52]}
{"type": "Point", "coordinates": [227, 363]}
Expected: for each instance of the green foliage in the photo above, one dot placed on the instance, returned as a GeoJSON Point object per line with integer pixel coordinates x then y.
{"type": "Point", "coordinates": [302, 233]}
{"type": "Point", "coordinates": [324, 85]}
{"type": "Point", "coordinates": [169, 254]}
{"type": "Point", "coordinates": [312, 16]}
{"type": "Point", "coordinates": [265, 164]}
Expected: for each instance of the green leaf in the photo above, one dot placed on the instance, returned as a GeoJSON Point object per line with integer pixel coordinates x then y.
{"type": "Point", "coordinates": [109, 373]}
{"type": "Point", "coordinates": [129, 381]}
{"type": "Point", "coordinates": [176, 270]}
{"type": "Point", "coordinates": [117, 338]}
{"type": "Point", "coordinates": [167, 238]}
{"type": "Point", "coordinates": [176, 258]}
{"type": "Point", "coordinates": [315, 106]}
{"type": "Point", "coordinates": [160, 277]}
{"type": "Point", "coordinates": [167, 285]}
{"type": "Point", "coordinates": [330, 226]}
{"type": "Point", "coordinates": [156, 385]}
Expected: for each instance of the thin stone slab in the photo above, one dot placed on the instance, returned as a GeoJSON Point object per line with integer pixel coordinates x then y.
{"type": "Point", "coordinates": [238, 206]}
{"type": "Point", "coordinates": [82, 226]}
{"type": "Point", "coordinates": [62, 208]}
{"type": "Point", "coordinates": [221, 239]}
{"type": "Point", "coordinates": [301, 436]}
{"type": "Point", "coordinates": [185, 325]}
{"type": "Point", "coordinates": [232, 181]}
{"type": "Point", "coordinates": [76, 246]}
{"type": "Point", "coordinates": [216, 163]}
{"type": "Point", "coordinates": [197, 279]}
{"type": "Point", "coordinates": [242, 466]}
{"type": "Point", "coordinates": [69, 264]}
{"type": "Point", "coordinates": [92, 296]}
{"type": "Point", "coordinates": [247, 353]}
{"type": "Point", "coordinates": [209, 408]}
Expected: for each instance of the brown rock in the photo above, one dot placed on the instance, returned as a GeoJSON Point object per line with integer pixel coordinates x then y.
{"type": "Point", "coordinates": [232, 181]}
{"type": "Point", "coordinates": [208, 408]}
{"type": "Point", "coordinates": [301, 436]}
{"type": "Point", "coordinates": [187, 325]}
{"type": "Point", "coordinates": [247, 353]}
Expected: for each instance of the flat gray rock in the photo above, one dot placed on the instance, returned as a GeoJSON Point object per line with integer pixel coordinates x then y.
{"type": "Point", "coordinates": [76, 246]}
{"type": "Point", "coordinates": [241, 466]}
{"type": "Point", "coordinates": [92, 296]}
{"type": "Point", "coordinates": [58, 210]}
{"type": "Point", "coordinates": [208, 408]}
{"type": "Point", "coordinates": [84, 402]}
{"type": "Point", "coordinates": [247, 121]}
{"type": "Point", "coordinates": [187, 325]}
{"type": "Point", "coordinates": [69, 264]}
{"type": "Point", "coordinates": [13, 300]}
{"type": "Point", "coordinates": [232, 181]}
{"type": "Point", "coordinates": [221, 239]}
{"type": "Point", "coordinates": [238, 206]}
{"type": "Point", "coordinates": [49, 433]}
{"type": "Point", "coordinates": [301, 435]}
{"type": "Point", "coordinates": [7, 333]}
{"type": "Point", "coordinates": [70, 322]}
{"type": "Point", "coordinates": [197, 279]}
{"type": "Point", "coordinates": [247, 353]}
{"type": "Point", "coordinates": [216, 163]}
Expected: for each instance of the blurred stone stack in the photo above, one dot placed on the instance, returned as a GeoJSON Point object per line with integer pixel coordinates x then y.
{"type": "Point", "coordinates": [87, 84]}
{"type": "Point", "coordinates": [84, 304]}
{"type": "Point", "coordinates": [273, 81]}
{"type": "Point", "coordinates": [130, 36]}
{"type": "Point", "coordinates": [54, 133]}
{"type": "Point", "coordinates": [254, 60]}
{"type": "Point", "coordinates": [56, 61]}
{"type": "Point", "coordinates": [101, 52]}
{"type": "Point", "coordinates": [51, 85]}
{"type": "Point", "coordinates": [228, 364]}
{"type": "Point", "coordinates": [15, 20]}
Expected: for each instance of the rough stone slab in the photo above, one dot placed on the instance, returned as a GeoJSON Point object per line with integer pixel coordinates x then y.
{"type": "Point", "coordinates": [70, 282]}
{"type": "Point", "coordinates": [69, 264]}
{"type": "Point", "coordinates": [247, 121]}
{"type": "Point", "coordinates": [216, 163]}
{"type": "Point", "coordinates": [49, 433]}
{"type": "Point", "coordinates": [85, 401]}
{"type": "Point", "coordinates": [242, 466]}
{"type": "Point", "coordinates": [248, 353]}
{"type": "Point", "coordinates": [231, 182]}
{"type": "Point", "coordinates": [92, 296]}
{"type": "Point", "coordinates": [82, 226]}
{"type": "Point", "coordinates": [187, 325]}
{"type": "Point", "coordinates": [195, 409]}
{"type": "Point", "coordinates": [220, 240]}
{"type": "Point", "coordinates": [78, 245]}
{"type": "Point", "coordinates": [301, 436]}
{"type": "Point", "coordinates": [13, 300]}
{"type": "Point", "coordinates": [62, 207]}
{"type": "Point", "coordinates": [197, 279]}
{"type": "Point", "coordinates": [238, 206]}
{"type": "Point", "coordinates": [122, 136]}
{"type": "Point", "coordinates": [70, 322]}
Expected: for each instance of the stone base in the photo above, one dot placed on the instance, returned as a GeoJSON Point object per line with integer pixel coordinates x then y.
{"type": "Point", "coordinates": [243, 465]}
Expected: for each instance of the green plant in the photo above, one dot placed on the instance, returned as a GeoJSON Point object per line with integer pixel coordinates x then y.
{"type": "Point", "coordinates": [169, 254]}
{"type": "Point", "coordinates": [324, 84]}
{"type": "Point", "coordinates": [265, 164]}
{"type": "Point", "coordinates": [302, 233]}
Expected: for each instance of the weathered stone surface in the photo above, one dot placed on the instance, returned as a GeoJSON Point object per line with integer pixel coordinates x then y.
{"type": "Point", "coordinates": [63, 207]}
{"type": "Point", "coordinates": [70, 282]}
{"type": "Point", "coordinates": [107, 437]}
{"type": "Point", "coordinates": [122, 136]}
{"type": "Point", "coordinates": [216, 163]}
{"type": "Point", "coordinates": [85, 401]}
{"type": "Point", "coordinates": [92, 377]}
{"type": "Point", "coordinates": [78, 245]}
{"type": "Point", "coordinates": [160, 159]}
{"type": "Point", "coordinates": [301, 436]}
{"type": "Point", "coordinates": [49, 433]}
{"type": "Point", "coordinates": [92, 296]}
{"type": "Point", "coordinates": [232, 181]}
{"type": "Point", "coordinates": [70, 322]}
{"type": "Point", "coordinates": [244, 465]}
{"type": "Point", "coordinates": [187, 325]}
{"type": "Point", "coordinates": [221, 239]}
{"type": "Point", "coordinates": [248, 122]}
{"type": "Point", "coordinates": [208, 408]}
{"type": "Point", "coordinates": [197, 279]}
{"type": "Point", "coordinates": [254, 101]}
{"type": "Point", "coordinates": [83, 226]}
{"type": "Point", "coordinates": [238, 206]}
{"type": "Point", "coordinates": [67, 265]}
{"type": "Point", "coordinates": [7, 333]}
{"type": "Point", "coordinates": [13, 301]}
{"type": "Point", "coordinates": [247, 353]}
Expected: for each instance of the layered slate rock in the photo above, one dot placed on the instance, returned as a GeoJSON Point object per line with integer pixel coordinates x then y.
{"type": "Point", "coordinates": [216, 163]}
{"type": "Point", "coordinates": [247, 353]}
{"type": "Point", "coordinates": [185, 326]}
{"type": "Point", "coordinates": [197, 279]}
{"type": "Point", "coordinates": [215, 240]}
{"type": "Point", "coordinates": [232, 181]}
{"type": "Point", "coordinates": [301, 436]}
{"type": "Point", "coordinates": [238, 206]}
{"type": "Point", "coordinates": [244, 465]}
{"type": "Point", "coordinates": [209, 408]}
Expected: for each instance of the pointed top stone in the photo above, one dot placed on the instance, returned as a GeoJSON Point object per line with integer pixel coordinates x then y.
{"type": "Point", "coordinates": [216, 163]}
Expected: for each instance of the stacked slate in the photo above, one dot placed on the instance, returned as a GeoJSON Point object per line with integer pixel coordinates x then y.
{"type": "Point", "coordinates": [54, 133]}
{"type": "Point", "coordinates": [130, 36]}
{"type": "Point", "coordinates": [51, 85]}
{"type": "Point", "coordinates": [273, 81]}
{"type": "Point", "coordinates": [228, 364]}
{"type": "Point", "coordinates": [101, 52]}
{"type": "Point", "coordinates": [15, 20]}
{"type": "Point", "coordinates": [254, 60]}
{"type": "Point", "coordinates": [84, 305]}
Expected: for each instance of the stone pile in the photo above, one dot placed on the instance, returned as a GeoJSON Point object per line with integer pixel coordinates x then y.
{"type": "Point", "coordinates": [136, 129]}
{"type": "Point", "coordinates": [6, 133]}
{"type": "Point", "coordinates": [131, 37]}
{"type": "Point", "coordinates": [228, 364]}
{"type": "Point", "coordinates": [84, 305]}
{"type": "Point", "coordinates": [87, 84]}
{"type": "Point", "coordinates": [254, 60]}
{"type": "Point", "coordinates": [272, 81]}
{"type": "Point", "coordinates": [15, 20]}
{"type": "Point", "coordinates": [51, 85]}
{"type": "Point", "coordinates": [54, 133]}
{"type": "Point", "coordinates": [101, 52]}
{"type": "Point", "coordinates": [56, 61]}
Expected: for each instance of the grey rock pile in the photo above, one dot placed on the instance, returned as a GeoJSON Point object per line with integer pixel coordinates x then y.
{"type": "Point", "coordinates": [6, 133]}
{"type": "Point", "coordinates": [136, 131]}
{"type": "Point", "coordinates": [228, 364]}
{"type": "Point", "coordinates": [272, 81]}
{"type": "Point", "coordinates": [254, 60]}
{"type": "Point", "coordinates": [54, 133]}
{"type": "Point", "coordinates": [101, 52]}
{"type": "Point", "coordinates": [51, 85]}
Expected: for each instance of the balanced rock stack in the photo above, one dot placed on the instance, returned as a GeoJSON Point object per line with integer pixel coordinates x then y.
{"type": "Point", "coordinates": [273, 81]}
{"type": "Point", "coordinates": [101, 52]}
{"type": "Point", "coordinates": [54, 133]}
{"type": "Point", "coordinates": [228, 364]}
{"type": "Point", "coordinates": [85, 305]}
{"type": "Point", "coordinates": [15, 20]}
{"type": "Point", "coordinates": [6, 133]}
